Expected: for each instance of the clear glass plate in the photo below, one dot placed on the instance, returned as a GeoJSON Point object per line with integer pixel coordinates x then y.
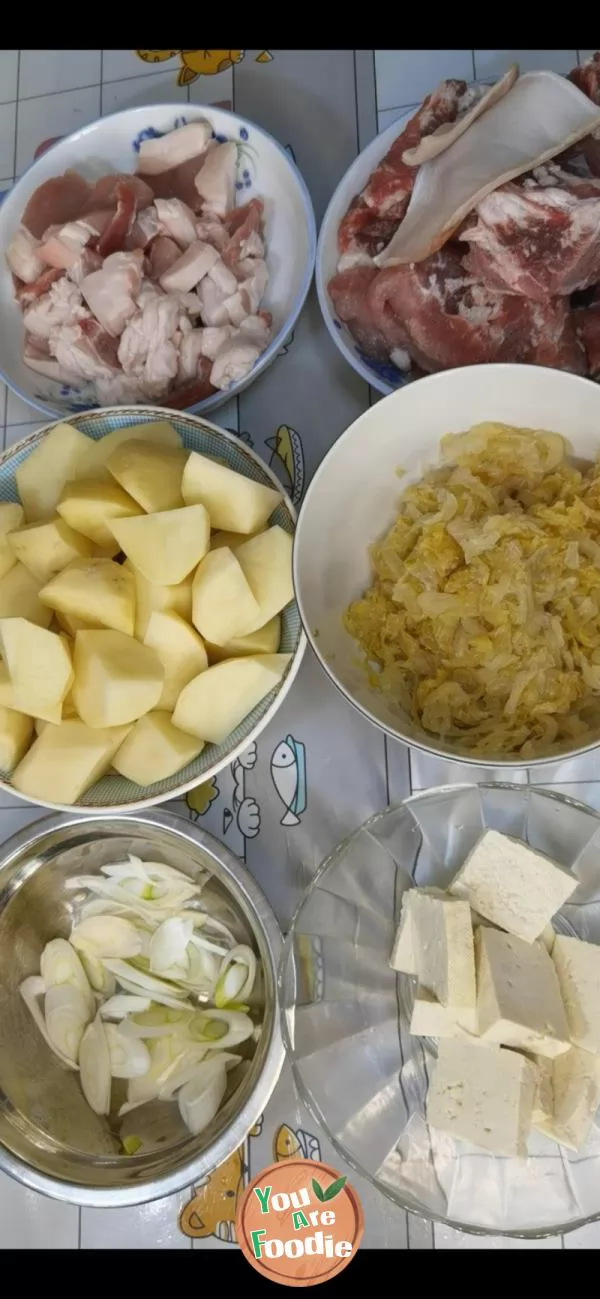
{"type": "Point", "coordinates": [346, 1014]}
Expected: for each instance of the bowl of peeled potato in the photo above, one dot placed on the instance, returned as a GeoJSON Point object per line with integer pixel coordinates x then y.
{"type": "Point", "coordinates": [148, 630]}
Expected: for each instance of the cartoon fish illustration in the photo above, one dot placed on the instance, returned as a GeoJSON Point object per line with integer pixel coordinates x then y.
{"type": "Point", "coordinates": [287, 460]}
{"type": "Point", "coordinates": [200, 63]}
{"type": "Point", "coordinates": [288, 773]}
{"type": "Point", "coordinates": [200, 798]}
{"type": "Point", "coordinates": [211, 1211]}
{"type": "Point", "coordinates": [294, 1143]}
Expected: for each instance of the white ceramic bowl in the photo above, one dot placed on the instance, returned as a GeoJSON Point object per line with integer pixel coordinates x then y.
{"type": "Point", "coordinates": [113, 793]}
{"type": "Point", "coordinates": [351, 502]}
{"type": "Point", "coordinates": [264, 170]}
{"type": "Point", "coordinates": [381, 375]}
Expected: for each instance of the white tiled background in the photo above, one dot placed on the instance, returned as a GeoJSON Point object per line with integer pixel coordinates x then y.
{"type": "Point", "coordinates": [50, 93]}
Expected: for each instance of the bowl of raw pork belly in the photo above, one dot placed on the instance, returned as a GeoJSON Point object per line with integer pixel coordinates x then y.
{"type": "Point", "coordinates": [468, 233]}
{"type": "Point", "coordinates": [152, 257]}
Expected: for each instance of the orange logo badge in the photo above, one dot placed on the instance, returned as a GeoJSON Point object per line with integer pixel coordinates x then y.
{"type": "Point", "coordinates": [299, 1222]}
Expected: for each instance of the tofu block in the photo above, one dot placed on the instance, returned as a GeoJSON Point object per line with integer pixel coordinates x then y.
{"type": "Point", "coordinates": [547, 937]}
{"type": "Point", "coordinates": [223, 605]}
{"type": "Point", "coordinates": [46, 547]}
{"type": "Point", "coordinates": [215, 703]}
{"type": "Point", "coordinates": [155, 750]}
{"type": "Point", "coordinates": [151, 597]}
{"type": "Point", "coordinates": [97, 591]}
{"type": "Point", "coordinates": [235, 503]}
{"type": "Point", "coordinates": [55, 461]}
{"type": "Point", "coordinates": [39, 666]}
{"type": "Point", "coordinates": [65, 761]}
{"type": "Point", "coordinates": [518, 996]}
{"type": "Point", "coordinates": [150, 473]}
{"type": "Point", "coordinates": [117, 680]}
{"type": "Point", "coordinates": [19, 597]}
{"type": "Point", "coordinates": [181, 652]}
{"type": "Point", "coordinates": [576, 1093]}
{"type": "Point", "coordinates": [543, 1105]}
{"type": "Point", "coordinates": [264, 641]}
{"type": "Point", "coordinates": [88, 504]}
{"type": "Point", "coordinates": [403, 958]}
{"type": "Point", "coordinates": [11, 517]}
{"type": "Point", "coordinates": [160, 432]}
{"type": "Point", "coordinates": [444, 951]}
{"type": "Point", "coordinates": [516, 888]}
{"type": "Point", "coordinates": [577, 965]}
{"type": "Point", "coordinates": [16, 732]}
{"type": "Point", "coordinates": [431, 1019]}
{"type": "Point", "coordinates": [165, 547]}
{"type": "Point", "coordinates": [266, 562]}
{"type": "Point", "coordinates": [483, 1096]}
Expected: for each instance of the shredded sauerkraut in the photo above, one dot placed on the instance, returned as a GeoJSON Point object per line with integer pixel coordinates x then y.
{"type": "Point", "coordinates": [483, 619]}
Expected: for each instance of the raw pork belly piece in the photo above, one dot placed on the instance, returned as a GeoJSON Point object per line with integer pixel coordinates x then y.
{"type": "Point", "coordinates": [61, 199]}
{"type": "Point", "coordinates": [349, 292]}
{"type": "Point", "coordinates": [538, 241]}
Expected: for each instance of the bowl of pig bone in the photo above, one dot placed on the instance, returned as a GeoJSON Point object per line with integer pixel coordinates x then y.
{"type": "Point", "coordinates": [148, 630]}
{"type": "Point", "coordinates": [152, 257]}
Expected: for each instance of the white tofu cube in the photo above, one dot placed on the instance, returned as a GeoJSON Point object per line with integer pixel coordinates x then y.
{"type": "Point", "coordinates": [577, 965]}
{"type": "Point", "coordinates": [402, 958]}
{"type": "Point", "coordinates": [576, 1090]}
{"type": "Point", "coordinates": [484, 1096]}
{"type": "Point", "coordinates": [516, 888]}
{"type": "Point", "coordinates": [431, 1019]}
{"type": "Point", "coordinates": [518, 996]}
{"type": "Point", "coordinates": [543, 1105]}
{"type": "Point", "coordinates": [443, 948]}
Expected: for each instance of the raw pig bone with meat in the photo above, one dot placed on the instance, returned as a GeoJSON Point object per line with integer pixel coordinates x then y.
{"type": "Point", "coordinates": [500, 286]}
{"type": "Point", "coordinates": [147, 286]}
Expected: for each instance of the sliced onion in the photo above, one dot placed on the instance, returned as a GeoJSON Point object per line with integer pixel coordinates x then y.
{"type": "Point", "coordinates": [94, 1067]}
{"type": "Point", "coordinates": [129, 1058]}
{"type": "Point", "coordinates": [68, 1012]}
{"type": "Point", "coordinates": [180, 1072]}
{"type": "Point", "coordinates": [238, 1028]}
{"type": "Point", "coordinates": [101, 979]}
{"type": "Point", "coordinates": [167, 949]}
{"type": "Point", "coordinates": [59, 964]}
{"type": "Point", "coordinates": [31, 990]}
{"type": "Point", "coordinates": [200, 1098]}
{"type": "Point", "coordinates": [137, 981]}
{"type": "Point", "coordinates": [110, 936]}
{"type": "Point", "coordinates": [237, 976]}
{"type": "Point", "coordinates": [123, 1004]}
{"type": "Point", "coordinates": [163, 1054]}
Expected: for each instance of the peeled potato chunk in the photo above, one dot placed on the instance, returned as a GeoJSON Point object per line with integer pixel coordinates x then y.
{"type": "Point", "coordinates": [11, 517]}
{"type": "Point", "coordinates": [87, 504]}
{"type": "Point", "coordinates": [151, 474]}
{"type": "Point", "coordinates": [180, 650]}
{"type": "Point", "coordinates": [65, 761]}
{"type": "Point", "coordinates": [16, 730]}
{"type": "Point", "coordinates": [97, 591]}
{"type": "Point", "coordinates": [231, 539]}
{"type": "Point", "coordinates": [264, 641]}
{"type": "Point", "coordinates": [150, 596]}
{"type": "Point", "coordinates": [155, 750]}
{"type": "Point", "coordinates": [6, 690]}
{"type": "Point", "coordinates": [215, 703]}
{"type": "Point", "coordinates": [57, 459]}
{"type": "Point", "coordinates": [234, 502]}
{"type": "Point", "coordinates": [266, 562]}
{"type": "Point", "coordinates": [223, 605]}
{"type": "Point", "coordinates": [156, 431]}
{"type": "Point", "coordinates": [46, 547]}
{"type": "Point", "coordinates": [165, 547]}
{"type": "Point", "coordinates": [39, 666]}
{"type": "Point", "coordinates": [117, 680]}
{"type": "Point", "coordinates": [19, 597]}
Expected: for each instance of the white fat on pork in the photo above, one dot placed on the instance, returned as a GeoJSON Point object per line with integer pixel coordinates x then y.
{"type": "Point", "coordinates": [223, 278]}
{"type": "Point", "coordinates": [63, 245]}
{"type": "Point", "coordinates": [189, 269]}
{"type": "Point", "coordinates": [215, 181]}
{"type": "Point", "coordinates": [212, 303]}
{"type": "Point", "coordinates": [61, 305]}
{"type": "Point", "coordinates": [233, 362]}
{"type": "Point", "coordinates": [211, 231]}
{"type": "Point", "coordinates": [37, 357]}
{"type": "Point", "coordinates": [176, 220]}
{"type": "Point", "coordinates": [255, 330]}
{"type": "Point", "coordinates": [247, 299]}
{"type": "Point", "coordinates": [23, 256]}
{"type": "Point", "coordinates": [76, 353]}
{"type": "Point", "coordinates": [252, 246]}
{"type": "Point", "coordinates": [112, 292]}
{"type": "Point", "coordinates": [167, 151]}
{"type": "Point", "coordinates": [147, 226]}
{"type": "Point", "coordinates": [150, 342]}
{"type": "Point", "coordinates": [120, 390]}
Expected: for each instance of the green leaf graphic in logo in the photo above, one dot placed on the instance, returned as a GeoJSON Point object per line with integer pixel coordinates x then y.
{"type": "Point", "coordinates": [318, 1190]}
{"type": "Point", "coordinates": [335, 1188]}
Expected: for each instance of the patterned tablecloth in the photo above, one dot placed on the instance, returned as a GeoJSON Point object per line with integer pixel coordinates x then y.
{"type": "Point", "coordinates": [324, 106]}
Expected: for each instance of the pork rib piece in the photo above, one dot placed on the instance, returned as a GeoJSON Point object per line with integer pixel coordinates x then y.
{"type": "Point", "coordinates": [539, 241]}
{"type": "Point", "coordinates": [348, 291]}
{"type": "Point", "coordinates": [375, 214]}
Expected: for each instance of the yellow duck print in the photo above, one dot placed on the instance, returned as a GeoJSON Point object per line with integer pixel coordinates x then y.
{"type": "Point", "coordinates": [200, 63]}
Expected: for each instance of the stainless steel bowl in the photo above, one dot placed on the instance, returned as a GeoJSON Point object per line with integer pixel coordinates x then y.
{"type": "Point", "coordinates": [49, 1137]}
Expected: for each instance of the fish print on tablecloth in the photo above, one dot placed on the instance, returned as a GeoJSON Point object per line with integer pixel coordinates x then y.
{"type": "Point", "coordinates": [200, 63]}
{"type": "Point", "coordinates": [295, 1143]}
{"type": "Point", "coordinates": [239, 814]}
{"type": "Point", "coordinates": [287, 460]}
{"type": "Point", "coordinates": [288, 773]}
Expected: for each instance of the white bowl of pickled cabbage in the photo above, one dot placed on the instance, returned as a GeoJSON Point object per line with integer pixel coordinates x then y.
{"type": "Point", "coordinates": [140, 1041]}
{"type": "Point", "coordinates": [446, 564]}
